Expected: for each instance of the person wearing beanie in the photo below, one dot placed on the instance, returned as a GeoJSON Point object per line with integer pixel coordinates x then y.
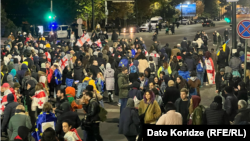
{"type": "Point", "coordinates": [231, 103]}
{"type": "Point", "coordinates": [194, 84]}
{"type": "Point", "coordinates": [9, 111]}
{"type": "Point", "coordinates": [71, 94]}
{"type": "Point", "coordinates": [129, 121]}
{"type": "Point", "coordinates": [235, 62]}
{"type": "Point", "coordinates": [171, 93]}
{"type": "Point", "coordinates": [215, 115]}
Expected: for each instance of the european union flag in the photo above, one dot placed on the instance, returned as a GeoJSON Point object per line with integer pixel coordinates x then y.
{"type": "Point", "coordinates": [42, 118]}
{"type": "Point", "coordinates": [58, 77]}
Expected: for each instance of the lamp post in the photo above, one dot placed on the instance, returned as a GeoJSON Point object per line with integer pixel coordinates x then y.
{"type": "Point", "coordinates": [181, 13]}
{"type": "Point", "coordinates": [93, 15]}
{"type": "Point", "coordinates": [51, 7]}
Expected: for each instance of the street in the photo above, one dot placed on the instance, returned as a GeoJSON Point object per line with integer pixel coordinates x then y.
{"type": "Point", "coordinates": [109, 129]}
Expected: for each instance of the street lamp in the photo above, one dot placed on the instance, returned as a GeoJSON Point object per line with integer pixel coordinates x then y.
{"type": "Point", "coordinates": [181, 13]}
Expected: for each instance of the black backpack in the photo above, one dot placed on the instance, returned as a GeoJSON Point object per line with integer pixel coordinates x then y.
{"type": "Point", "coordinates": [152, 67]}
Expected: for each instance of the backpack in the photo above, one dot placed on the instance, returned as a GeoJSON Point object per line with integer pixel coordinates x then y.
{"type": "Point", "coordinates": [133, 69]}
{"type": "Point", "coordinates": [196, 117]}
{"type": "Point", "coordinates": [102, 114]}
{"type": "Point", "coordinates": [123, 63]}
{"type": "Point", "coordinates": [152, 67]}
{"type": "Point", "coordinates": [192, 91]}
{"type": "Point", "coordinates": [102, 37]}
{"type": "Point", "coordinates": [199, 68]}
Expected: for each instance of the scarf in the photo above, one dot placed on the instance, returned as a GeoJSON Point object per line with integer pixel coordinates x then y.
{"type": "Point", "coordinates": [18, 138]}
{"type": "Point", "coordinates": [193, 78]}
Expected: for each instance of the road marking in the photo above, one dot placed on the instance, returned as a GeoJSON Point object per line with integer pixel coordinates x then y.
{"type": "Point", "coordinates": [113, 110]}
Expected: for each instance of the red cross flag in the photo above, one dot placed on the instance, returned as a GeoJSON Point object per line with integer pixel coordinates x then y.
{"type": "Point", "coordinates": [63, 62]}
{"type": "Point", "coordinates": [83, 39]}
{"type": "Point", "coordinates": [48, 57]}
{"type": "Point", "coordinates": [154, 55]}
{"type": "Point", "coordinates": [99, 43]}
{"type": "Point", "coordinates": [2, 107]}
{"type": "Point", "coordinates": [146, 53]}
{"type": "Point", "coordinates": [39, 99]}
{"type": "Point", "coordinates": [80, 42]}
{"type": "Point", "coordinates": [42, 80]}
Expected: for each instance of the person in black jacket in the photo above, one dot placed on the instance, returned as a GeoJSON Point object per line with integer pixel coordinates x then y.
{"type": "Point", "coordinates": [114, 37]}
{"type": "Point", "coordinates": [9, 111]}
{"type": "Point", "coordinates": [218, 79]}
{"type": "Point", "coordinates": [184, 43]}
{"type": "Point", "coordinates": [34, 73]}
{"type": "Point", "coordinates": [135, 91]}
{"type": "Point", "coordinates": [129, 121]}
{"type": "Point", "coordinates": [215, 115]}
{"type": "Point", "coordinates": [61, 98]}
{"type": "Point", "coordinates": [230, 104]}
{"type": "Point", "coordinates": [226, 34]}
{"type": "Point", "coordinates": [78, 71]}
{"type": "Point", "coordinates": [155, 36]}
{"type": "Point", "coordinates": [29, 60]}
{"type": "Point", "coordinates": [100, 60]}
{"type": "Point", "coordinates": [171, 93]}
{"type": "Point", "coordinates": [221, 62]}
{"type": "Point", "coordinates": [94, 69]}
{"type": "Point", "coordinates": [66, 115]}
{"type": "Point", "coordinates": [243, 115]}
{"type": "Point", "coordinates": [242, 92]}
{"type": "Point", "coordinates": [93, 110]}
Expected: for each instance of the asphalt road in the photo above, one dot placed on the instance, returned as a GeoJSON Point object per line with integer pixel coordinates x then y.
{"type": "Point", "coordinates": [109, 129]}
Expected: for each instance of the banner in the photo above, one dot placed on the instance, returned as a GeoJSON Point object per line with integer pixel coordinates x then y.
{"type": "Point", "coordinates": [210, 70]}
{"type": "Point", "coordinates": [84, 39]}
{"type": "Point", "coordinates": [224, 47]}
{"type": "Point", "coordinates": [187, 132]}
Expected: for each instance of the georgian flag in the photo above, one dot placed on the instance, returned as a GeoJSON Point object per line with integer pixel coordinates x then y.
{"type": "Point", "coordinates": [83, 39]}
{"type": "Point", "coordinates": [42, 80]}
{"type": "Point", "coordinates": [4, 100]}
{"type": "Point", "coordinates": [146, 53]}
{"type": "Point", "coordinates": [48, 57]}
{"type": "Point", "coordinates": [99, 43]}
{"type": "Point", "coordinates": [63, 62]}
{"type": "Point", "coordinates": [154, 55]}
{"type": "Point", "coordinates": [39, 99]}
{"type": "Point", "coordinates": [2, 107]}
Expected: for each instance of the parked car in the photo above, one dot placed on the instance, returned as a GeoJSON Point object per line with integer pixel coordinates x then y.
{"type": "Point", "coordinates": [144, 27]}
{"type": "Point", "coordinates": [133, 28]}
{"type": "Point", "coordinates": [185, 21]}
{"type": "Point", "coordinates": [208, 23]}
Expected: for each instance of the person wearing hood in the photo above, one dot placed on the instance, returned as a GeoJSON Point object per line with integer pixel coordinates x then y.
{"type": "Point", "coordinates": [67, 114]}
{"type": "Point", "coordinates": [10, 80]}
{"type": "Point", "coordinates": [194, 83]}
{"type": "Point", "coordinates": [129, 121]}
{"type": "Point", "coordinates": [222, 59]}
{"type": "Point", "coordinates": [17, 121]}
{"type": "Point", "coordinates": [242, 92]}
{"type": "Point", "coordinates": [171, 93]}
{"type": "Point", "coordinates": [71, 94]}
{"type": "Point", "coordinates": [21, 73]}
{"type": "Point", "coordinates": [16, 64]}
{"type": "Point", "coordinates": [243, 115]}
{"type": "Point", "coordinates": [94, 69]}
{"type": "Point", "coordinates": [195, 111]}
{"type": "Point", "coordinates": [215, 115]}
{"type": "Point", "coordinates": [149, 110]}
{"type": "Point", "coordinates": [184, 43]}
{"type": "Point", "coordinates": [171, 117]}
{"type": "Point", "coordinates": [9, 111]}
{"type": "Point", "coordinates": [109, 77]}
{"type": "Point", "coordinates": [100, 60]}
{"type": "Point", "coordinates": [135, 92]}
{"type": "Point", "coordinates": [10, 66]}
{"type": "Point", "coordinates": [26, 78]}
{"type": "Point", "coordinates": [114, 36]}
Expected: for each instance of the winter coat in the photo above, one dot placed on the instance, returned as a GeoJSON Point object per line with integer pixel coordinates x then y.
{"type": "Point", "coordinates": [150, 62]}
{"type": "Point", "coordinates": [243, 115]}
{"type": "Point", "coordinates": [9, 111]}
{"type": "Point", "coordinates": [235, 63]}
{"type": "Point", "coordinates": [153, 112]}
{"type": "Point", "coordinates": [221, 60]}
{"type": "Point", "coordinates": [175, 51]}
{"type": "Point", "coordinates": [143, 64]}
{"type": "Point", "coordinates": [195, 84]}
{"type": "Point", "coordinates": [214, 58]}
{"type": "Point", "coordinates": [215, 115]}
{"type": "Point", "coordinates": [100, 60]}
{"type": "Point", "coordinates": [199, 42]}
{"type": "Point", "coordinates": [129, 122]}
{"type": "Point", "coordinates": [171, 94]}
{"type": "Point", "coordinates": [105, 56]}
{"type": "Point", "coordinates": [95, 70]}
{"type": "Point", "coordinates": [30, 62]}
{"type": "Point", "coordinates": [58, 105]}
{"type": "Point", "coordinates": [16, 67]}
{"type": "Point", "coordinates": [91, 82]}
{"type": "Point", "coordinates": [191, 65]}
{"type": "Point", "coordinates": [123, 85]}
{"type": "Point", "coordinates": [155, 56]}
{"type": "Point", "coordinates": [10, 80]}
{"type": "Point", "coordinates": [17, 120]}
{"type": "Point", "coordinates": [242, 95]}
{"type": "Point", "coordinates": [184, 44]}
{"type": "Point", "coordinates": [34, 74]}
{"type": "Point", "coordinates": [72, 38]}
{"type": "Point", "coordinates": [20, 73]}
{"type": "Point", "coordinates": [25, 79]}
{"type": "Point", "coordinates": [109, 77]}
{"type": "Point", "coordinates": [78, 72]}
{"type": "Point", "coordinates": [93, 110]}
{"type": "Point", "coordinates": [114, 37]}
{"type": "Point", "coordinates": [170, 118]}
{"type": "Point", "coordinates": [231, 106]}
{"type": "Point", "coordinates": [167, 71]}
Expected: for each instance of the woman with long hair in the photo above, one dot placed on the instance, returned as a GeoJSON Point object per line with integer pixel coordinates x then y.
{"type": "Point", "coordinates": [180, 83]}
{"type": "Point", "coordinates": [165, 68]}
{"type": "Point", "coordinates": [149, 110]}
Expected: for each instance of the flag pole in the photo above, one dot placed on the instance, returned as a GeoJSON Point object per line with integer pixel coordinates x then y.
{"type": "Point", "coordinates": [245, 63]}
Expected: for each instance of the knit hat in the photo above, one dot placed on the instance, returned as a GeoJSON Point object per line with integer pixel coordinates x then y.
{"type": "Point", "coordinates": [218, 99]}
{"type": "Point", "coordinates": [185, 38]}
{"type": "Point", "coordinates": [23, 132]}
{"type": "Point", "coordinates": [130, 103]}
{"type": "Point", "coordinates": [170, 83]}
{"type": "Point", "coordinates": [229, 89]}
{"type": "Point", "coordinates": [222, 70]}
{"type": "Point", "coordinates": [90, 88]}
{"type": "Point", "coordinates": [17, 85]}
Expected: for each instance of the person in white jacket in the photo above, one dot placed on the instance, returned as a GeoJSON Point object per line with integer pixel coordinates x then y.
{"type": "Point", "coordinates": [199, 42]}
{"type": "Point", "coordinates": [72, 38]}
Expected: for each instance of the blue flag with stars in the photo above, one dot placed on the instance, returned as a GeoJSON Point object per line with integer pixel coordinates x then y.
{"type": "Point", "coordinates": [43, 117]}
{"type": "Point", "coordinates": [58, 77]}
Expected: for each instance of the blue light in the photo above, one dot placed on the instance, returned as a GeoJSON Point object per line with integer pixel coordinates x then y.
{"type": "Point", "coordinates": [52, 25]}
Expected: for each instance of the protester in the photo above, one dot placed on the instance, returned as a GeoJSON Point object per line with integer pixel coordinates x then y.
{"type": "Point", "coordinates": [230, 104]}
{"type": "Point", "coordinates": [171, 93]}
{"type": "Point", "coordinates": [242, 117]}
{"type": "Point", "coordinates": [182, 104]}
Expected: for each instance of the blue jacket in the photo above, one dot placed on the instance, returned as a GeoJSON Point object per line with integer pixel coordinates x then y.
{"type": "Point", "coordinates": [184, 74]}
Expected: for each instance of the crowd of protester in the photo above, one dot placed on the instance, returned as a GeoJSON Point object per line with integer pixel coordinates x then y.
{"type": "Point", "coordinates": [40, 95]}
